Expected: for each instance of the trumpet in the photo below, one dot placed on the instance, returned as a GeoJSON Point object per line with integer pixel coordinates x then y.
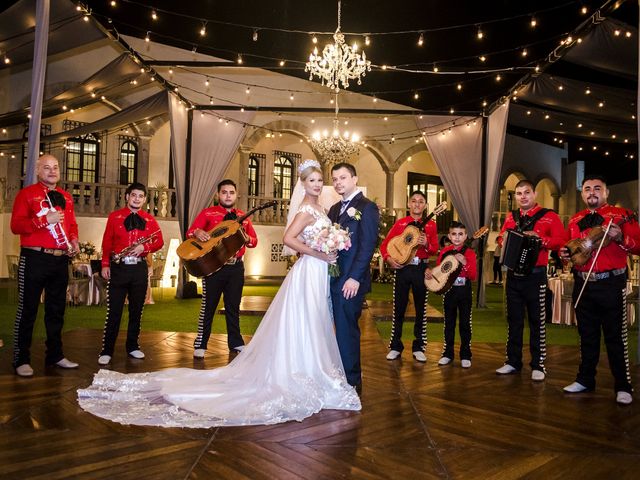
{"type": "Point", "coordinates": [56, 229]}
{"type": "Point", "coordinates": [127, 251]}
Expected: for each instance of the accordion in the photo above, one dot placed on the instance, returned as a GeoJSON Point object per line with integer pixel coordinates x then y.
{"type": "Point", "coordinates": [520, 252]}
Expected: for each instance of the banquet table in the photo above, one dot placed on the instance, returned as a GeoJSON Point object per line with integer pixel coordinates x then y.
{"type": "Point", "coordinates": [562, 307]}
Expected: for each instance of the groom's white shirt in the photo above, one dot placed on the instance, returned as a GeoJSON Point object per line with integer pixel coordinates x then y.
{"type": "Point", "coordinates": [343, 207]}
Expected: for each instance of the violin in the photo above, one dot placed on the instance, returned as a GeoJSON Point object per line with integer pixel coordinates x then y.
{"type": "Point", "coordinates": [581, 249]}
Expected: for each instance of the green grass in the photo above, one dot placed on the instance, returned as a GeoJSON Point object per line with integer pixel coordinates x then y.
{"type": "Point", "coordinates": [169, 314]}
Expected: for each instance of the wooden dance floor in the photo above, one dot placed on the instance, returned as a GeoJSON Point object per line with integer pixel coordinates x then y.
{"type": "Point", "coordinates": [418, 421]}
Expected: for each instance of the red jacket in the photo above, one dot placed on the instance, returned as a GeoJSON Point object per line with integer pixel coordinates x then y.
{"type": "Point", "coordinates": [470, 269]}
{"type": "Point", "coordinates": [208, 218]}
{"type": "Point", "coordinates": [116, 238]}
{"type": "Point", "coordinates": [614, 255]}
{"type": "Point", "coordinates": [430, 230]}
{"type": "Point", "coordinates": [549, 228]}
{"type": "Point", "coordinates": [28, 218]}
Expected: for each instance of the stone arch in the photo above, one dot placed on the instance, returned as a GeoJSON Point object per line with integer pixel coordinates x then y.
{"type": "Point", "coordinates": [512, 171]}
{"type": "Point", "coordinates": [413, 150]}
{"type": "Point", "coordinates": [548, 193]}
{"type": "Point", "coordinates": [303, 132]}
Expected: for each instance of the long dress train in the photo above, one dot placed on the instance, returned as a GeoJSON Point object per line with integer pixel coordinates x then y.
{"type": "Point", "coordinates": [290, 369]}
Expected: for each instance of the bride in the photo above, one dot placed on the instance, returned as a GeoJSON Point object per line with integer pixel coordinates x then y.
{"type": "Point", "coordinates": [290, 369]}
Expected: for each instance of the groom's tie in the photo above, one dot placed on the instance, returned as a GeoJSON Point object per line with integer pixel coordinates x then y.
{"type": "Point", "coordinates": [343, 207]}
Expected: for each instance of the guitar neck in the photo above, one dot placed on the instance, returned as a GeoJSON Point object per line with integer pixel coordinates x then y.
{"type": "Point", "coordinates": [424, 221]}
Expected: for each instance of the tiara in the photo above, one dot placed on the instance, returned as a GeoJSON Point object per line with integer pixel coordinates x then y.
{"type": "Point", "coordinates": [306, 164]}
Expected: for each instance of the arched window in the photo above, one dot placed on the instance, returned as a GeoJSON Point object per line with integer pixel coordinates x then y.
{"type": "Point", "coordinates": [128, 163]}
{"type": "Point", "coordinates": [83, 157]}
{"type": "Point", "coordinates": [282, 176]}
{"type": "Point", "coordinates": [254, 174]}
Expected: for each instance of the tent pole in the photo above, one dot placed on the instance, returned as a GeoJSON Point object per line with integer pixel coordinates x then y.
{"type": "Point", "coordinates": [182, 274]}
{"type": "Point", "coordinates": [480, 299]}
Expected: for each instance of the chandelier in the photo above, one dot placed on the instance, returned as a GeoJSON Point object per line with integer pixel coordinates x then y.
{"type": "Point", "coordinates": [334, 146]}
{"type": "Point", "coordinates": [339, 62]}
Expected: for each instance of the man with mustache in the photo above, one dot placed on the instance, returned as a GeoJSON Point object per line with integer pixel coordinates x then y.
{"type": "Point", "coordinates": [602, 305]}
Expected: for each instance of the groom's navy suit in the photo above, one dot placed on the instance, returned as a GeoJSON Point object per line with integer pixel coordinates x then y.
{"type": "Point", "coordinates": [354, 263]}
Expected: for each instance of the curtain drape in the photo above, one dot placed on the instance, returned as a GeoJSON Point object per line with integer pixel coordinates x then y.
{"type": "Point", "coordinates": [37, 86]}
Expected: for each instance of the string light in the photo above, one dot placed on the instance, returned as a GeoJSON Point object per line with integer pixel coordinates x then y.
{"type": "Point", "coordinates": [154, 15]}
{"type": "Point", "coordinates": [524, 52]}
{"type": "Point", "coordinates": [367, 40]}
{"type": "Point", "coordinates": [254, 37]}
{"type": "Point", "coordinates": [147, 38]}
{"type": "Point", "coordinates": [451, 112]}
{"type": "Point", "coordinates": [484, 103]}
{"type": "Point", "coordinates": [248, 90]}
{"type": "Point", "coordinates": [203, 30]}
{"type": "Point", "coordinates": [459, 86]}
{"type": "Point", "coordinates": [375, 99]}
{"type": "Point", "coordinates": [627, 34]}
{"type": "Point", "coordinates": [291, 97]}
{"type": "Point", "coordinates": [435, 68]}
{"type": "Point", "coordinates": [584, 10]}
{"type": "Point", "coordinates": [533, 22]}
{"type": "Point", "coordinates": [601, 104]}
{"type": "Point", "coordinates": [7, 60]}
{"type": "Point", "coordinates": [498, 78]}
{"type": "Point", "coordinates": [588, 91]}
{"type": "Point", "coordinates": [239, 59]}
{"type": "Point", "coordinates": [113, 3]}
{"type": "Point", "coordinates": [314, 39]}
{"type": "Point", "coordinates": [171, 71]}
{"type": "Point", "coordinates": [616, 32]}
{"type": "Point", "coordinates": [528, 112]}
{"type": "Point", "coordinates": [421, 39]}
{"type": "Point", "coordinates": [416, 95]}
{"type": "Point", "coordinates": [206, 82]}
{"type": "Point", "coordinates": [483, 58]}
{"type": "Point", "coordinates": [560, 87]}
{"type": "Point", "coordinates": [282, 63]}
{"type": "Point", "coordinates": [480, 34]}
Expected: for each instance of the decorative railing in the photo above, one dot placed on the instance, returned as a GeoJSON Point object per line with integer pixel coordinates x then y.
{"type": "Point", "coordinates": [100, 199]}
{"type": "Point", "coordinates": [276, 215]}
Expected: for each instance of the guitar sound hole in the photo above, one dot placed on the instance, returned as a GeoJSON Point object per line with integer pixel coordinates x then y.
{"type": "Point", "coordinates": [446, 267]}
{"type": "Point", "coordinates": [408, 239]}
{"type": "Point", "coordinates": [219, 231]}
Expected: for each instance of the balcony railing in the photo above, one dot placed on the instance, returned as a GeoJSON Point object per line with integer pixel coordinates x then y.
{"type": "Point", "coordinates": [100, 199]}
{"type": "Point", "coordinates": [276, 215]}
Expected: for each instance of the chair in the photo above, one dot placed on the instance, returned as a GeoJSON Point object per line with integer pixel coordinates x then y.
{"type": "Point", "coordinates": [78, 289]}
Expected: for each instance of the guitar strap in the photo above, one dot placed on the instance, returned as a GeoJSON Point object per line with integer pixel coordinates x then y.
{"type": "Point", "coordinates": [526, 223]}
{"type": "Point", "coordinates": [453, 251]}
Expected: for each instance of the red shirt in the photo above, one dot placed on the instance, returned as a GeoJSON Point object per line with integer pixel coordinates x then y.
{"type": "Point", "coordinates": [470, 269]}
{"type": "Point", "coordinates": [208, 218]}
{"type": "Point", "coordinates": [549, 228]}
{"type": "Point", "coordinates": [614, 255]}
{"type": "Point", "coordinates": [116, 238]}
{"type": "Point", "coordinates": [430, 230]}
{"type": "Point", "coordinates": [29, 220]}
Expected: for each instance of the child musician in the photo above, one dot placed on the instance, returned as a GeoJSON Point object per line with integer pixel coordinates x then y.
{"type": "Point", "coordinates": [458, 298]}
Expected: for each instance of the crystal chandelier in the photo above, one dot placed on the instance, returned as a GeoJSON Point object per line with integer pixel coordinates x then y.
{"type": "Point", "coordinates": [334, 146]}
{"type": "Point", "coordinates": [339, 62]}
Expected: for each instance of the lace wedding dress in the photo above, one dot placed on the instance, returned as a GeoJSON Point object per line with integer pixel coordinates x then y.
{"type": "Point", "coordinates": [290, 369]}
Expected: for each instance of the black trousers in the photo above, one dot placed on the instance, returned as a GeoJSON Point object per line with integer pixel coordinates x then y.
{"type": "Point", "coordinates": [38, 271]}
{"type": "Point", "coordinates": [229, 281]}
{"type": "Point", "coordinates": [603, 307]}
{"type": "Point", "coordinates": [408, 278]}
{"type": "Point", "coordinates": [457, 302]}
{"type": "Point", "coordinates": [527, 292]}
{"type": "Point", "coordinates": [126, 281]}
{"type": "Point", "coordinates": [497, 270]}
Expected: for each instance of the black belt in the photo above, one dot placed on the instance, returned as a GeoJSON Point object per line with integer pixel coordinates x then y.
{"type": "Point", "coordinates": [56, 252]}
{"type": "Point", "coordinates": [539, 269]}
{"type": "Point", "coordinates": [595, 276]}
{"type": "Point", "coordinates": [233, 261]}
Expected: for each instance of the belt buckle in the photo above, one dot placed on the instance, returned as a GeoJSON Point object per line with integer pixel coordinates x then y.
{"type": "Point", "coordinates": [415, 261]}
{"type": "Point", "coordinates": [232, 261]}
{"type": "Point", "coordinates": [460, 281]}
{"type": "Point", "coordinates": [130, 260]}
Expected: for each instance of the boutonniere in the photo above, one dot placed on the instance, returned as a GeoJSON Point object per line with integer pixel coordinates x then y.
{"type": "Point", "coordinates": [354, 213]}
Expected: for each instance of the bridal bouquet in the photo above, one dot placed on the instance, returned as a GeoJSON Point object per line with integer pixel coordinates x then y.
{"type": "Point", "coordinates": [331, 238]}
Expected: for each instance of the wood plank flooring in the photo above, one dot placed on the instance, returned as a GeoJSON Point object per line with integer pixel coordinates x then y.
{"type": "Point", "coordinates": [418, 421]}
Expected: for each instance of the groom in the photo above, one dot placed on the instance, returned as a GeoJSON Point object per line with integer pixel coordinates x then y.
{"type": "Point", "coordinates": [360, 215]}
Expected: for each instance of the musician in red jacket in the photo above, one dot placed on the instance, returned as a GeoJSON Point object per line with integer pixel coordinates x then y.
{"type": "Point", "coordinates": [43, 217]}
{"type": "Point", "coordinates": [459, 296]}
{"type": "Point", "coordinates": [602, 305]}
{"type": "Point", "coordinates": [527, 289]}
{"type": "Point", "coordinates": [229, 279]}
{"type": "Point", "coordinates": [130, 235]}
{"type": "Point", "coordinates": [411, 277]}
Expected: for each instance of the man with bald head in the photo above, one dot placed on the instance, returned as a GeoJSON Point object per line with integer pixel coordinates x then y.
{"type": "Point", "coordinates": [43, 217]}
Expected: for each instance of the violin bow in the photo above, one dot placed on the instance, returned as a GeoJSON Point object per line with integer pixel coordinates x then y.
{"type": "Point", "coordinates": [593, 264]}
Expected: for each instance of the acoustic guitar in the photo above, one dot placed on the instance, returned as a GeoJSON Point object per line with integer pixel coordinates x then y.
{"type": "Point", "coordinates": [227, 238]}
{"type": "Point", "coordinates": [445, 274]}
{"type": "Point", "coordinates": [404, 247]}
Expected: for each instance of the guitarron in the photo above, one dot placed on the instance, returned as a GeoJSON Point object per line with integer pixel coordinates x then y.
{"type": "Point", "coordinates": [445, 274]}
{"type": "Point", "coordinates": [227, 238]}
{"type": "Point", "coordinates": [404, 247]}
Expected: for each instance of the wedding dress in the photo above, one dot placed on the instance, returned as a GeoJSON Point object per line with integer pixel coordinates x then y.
{"type": "Point", "coordinates": [290, 369]}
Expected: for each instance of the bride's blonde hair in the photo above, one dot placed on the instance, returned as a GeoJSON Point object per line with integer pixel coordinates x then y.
{"type": "Point", "coordinates": [306, 168]}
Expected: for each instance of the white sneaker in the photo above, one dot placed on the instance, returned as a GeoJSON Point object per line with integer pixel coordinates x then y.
{"type": "Point", "coordinates": [66, 363]}
{"type": "Point", "coordinates": [24, 370]}
{"type": "Point", "coordinates": [465, 363]}
{"type": "Point", "coordinates": [137, 354]}
{"type": "Point", "coordinates": [505, 369]}
{"type": "Point", "coordinates": [575, 387]}
{"type": "Point", "coordinates": [104, 359]}
{"type": "Point", "coordinates": [624, 398]}
{"type": "Point", "coordinates": [393, 354]}
{"type": "Point", "coordinates": [419, 356]}
{"type": "Point", "coordinates": [537, 375]}
{"type": "Point", "coordinates": [239, 348]}
{"type": "Point", "coordinates": [199, 353]}
{"type": "Point", "coordinates": [444, 361]}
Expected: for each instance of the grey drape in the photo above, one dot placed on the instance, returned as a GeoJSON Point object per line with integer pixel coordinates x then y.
{"type": "Point", "coordinates": [37, 86]}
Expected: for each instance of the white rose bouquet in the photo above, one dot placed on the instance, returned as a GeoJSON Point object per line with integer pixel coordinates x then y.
{"type": "Point", "coordinates": [330, 238]}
